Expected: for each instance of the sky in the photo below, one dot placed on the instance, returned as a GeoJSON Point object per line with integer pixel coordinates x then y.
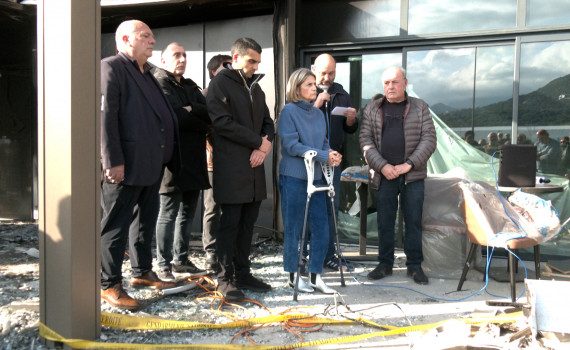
{"type": "Point", "coordinates": [447, 75]}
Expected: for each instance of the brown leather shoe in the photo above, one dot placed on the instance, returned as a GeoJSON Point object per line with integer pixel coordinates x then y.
{"type": "Point", "coordinates": [117, 297]}
{"type": "Point", "coordinates": [151, 280]}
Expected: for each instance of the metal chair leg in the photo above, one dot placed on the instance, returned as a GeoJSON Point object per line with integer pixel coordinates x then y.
{"type": "Point", "coordinates": [467, 265]}
{"type": "Point", "coordinates": [537, 260]}
{"type": "Point", "coordinates": [513, 277]}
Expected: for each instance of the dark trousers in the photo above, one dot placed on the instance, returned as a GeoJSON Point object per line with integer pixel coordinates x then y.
{"type": "Point", "coordinates": [174, 226]}
{"type": "Point", "coordinates": [412, 196]}
{"type": "Point", "coordinates": [234, 239]}
{"type": "Point", "coordinates": [211, 221]}
{"type": "Point", "coordinates": [129, 213]}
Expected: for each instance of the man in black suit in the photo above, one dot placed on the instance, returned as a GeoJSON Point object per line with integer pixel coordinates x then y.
{"type": "Point", "coordinates": [138, 139]}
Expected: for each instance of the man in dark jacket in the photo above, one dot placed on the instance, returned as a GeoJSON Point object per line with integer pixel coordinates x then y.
{"type": "Point", "coordinates": [138, 139]}
{"type": "Point", "coordinates": [397, 138]}
{"type": "Point", "coordinates": [243, 131]}
{"type": "Point", "coordinates": [331, 95]}
{"type": "Point", "coordinates": [179, 193]}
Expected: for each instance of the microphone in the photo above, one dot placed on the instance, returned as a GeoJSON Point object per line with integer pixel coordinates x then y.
{"type": "Point", "coordinates": [325, 88]}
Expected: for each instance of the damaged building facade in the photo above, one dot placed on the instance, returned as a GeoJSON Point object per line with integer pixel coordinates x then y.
{"type": "Point", "coordinates": [488, 67]}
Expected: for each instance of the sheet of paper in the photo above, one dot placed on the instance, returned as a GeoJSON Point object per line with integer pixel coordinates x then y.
{"type": "Point", "coordinates": [339, 110]}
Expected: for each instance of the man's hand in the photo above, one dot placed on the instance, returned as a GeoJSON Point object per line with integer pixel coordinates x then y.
{"type": "Point", "coordinates": [334, 158]}
{"type": "Point", "coordinates": [403, 168]}
{"type": "Point", "coordinates": [256, 158]}
{"type": "Point", "coordinates": [115, 174]}
{"type": "Point", "coordinates": [265, 145]}
{"type": "Point", "coordinates": [389, 171]}
{"type": "Point", "coordinates": [321, 98]}
{"type": "Point", "coordinates": [188, 108]}
{"type": "Point", "coordinates": [350, 115]}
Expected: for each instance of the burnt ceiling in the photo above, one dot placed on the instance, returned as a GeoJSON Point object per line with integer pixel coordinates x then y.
{"type": "Point", "coordinates": [18, 21]}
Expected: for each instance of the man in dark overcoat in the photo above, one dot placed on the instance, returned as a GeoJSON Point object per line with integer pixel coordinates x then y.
{"type": "Point", "coordinates": [243, 131]}
{"type": "Point", "coordinates": [179, 193]}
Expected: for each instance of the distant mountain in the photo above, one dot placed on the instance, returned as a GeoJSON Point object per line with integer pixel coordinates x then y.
{"type": "Point", "coordinates": [540, 107]}
{"type": "Point", "coordinates": [441, 109]}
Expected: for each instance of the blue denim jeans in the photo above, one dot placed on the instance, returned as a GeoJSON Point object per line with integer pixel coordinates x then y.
{"type": "Point", "coordinates": [174, 226]}
{"type": "Point", "coordinates": [293, 202]}
{"type": "Point", "coordinates": [412, 196]}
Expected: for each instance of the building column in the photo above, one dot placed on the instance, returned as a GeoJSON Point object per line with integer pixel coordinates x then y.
{"type": "Point", "coordinates": [69, 166]}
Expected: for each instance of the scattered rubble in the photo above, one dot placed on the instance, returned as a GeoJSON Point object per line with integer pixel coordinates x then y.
{"type": "Point", "coordinates": [19, 308]}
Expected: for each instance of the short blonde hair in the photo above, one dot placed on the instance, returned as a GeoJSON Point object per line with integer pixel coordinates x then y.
{"type": "Point", "coordinates": [297, 79]}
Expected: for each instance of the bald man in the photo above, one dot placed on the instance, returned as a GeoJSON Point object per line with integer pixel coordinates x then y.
{"type": "Point", "coordinates": [139, 139]}
{"type": "Point", "coordinates": [179, 193]}
{"type": "Point", "coordinates": [331, 95]}
{"type": "Point", "coordinates": [397, 138]}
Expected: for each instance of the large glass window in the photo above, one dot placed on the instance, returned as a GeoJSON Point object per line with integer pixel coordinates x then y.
{"type": "Point", "coordinates": [540, 12]}
{"type": "Point", "coordinates": [544, 102]}
{"type": "Point", "coordinates": [444, 16]}
{"type": "Point", "coordinates": [470, 89]}
{"type": "Point", "coordinates": [372, 68]}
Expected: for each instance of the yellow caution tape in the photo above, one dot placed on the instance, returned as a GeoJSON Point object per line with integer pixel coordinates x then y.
{"type": "Point", "coordinates": [146, 323]}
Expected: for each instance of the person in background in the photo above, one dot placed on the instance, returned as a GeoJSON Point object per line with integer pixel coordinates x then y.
{"type": "Point", "coordinates": [522, 140]}
{"type": "Point", "coordinates": [493, 145]}
{"type": "Point", "coordinates": [547, 153]}
{"type": "Point", "coordinates": [211, 220]}
{"type": "Point", "coordinates": [565, 156]}
{"type": "Point", "coordinates": [179, 193]}
{"type": "Point", "coordinates": [302, 128]}
{"type": "Point", "coordinates": [506, 140]}
{"type": "Point", "coordinates": [243, 132]}
{"type": "Point", "coordinates": [469, 137]}
{"type": "Point", "coordinates": [500, 138]}
{"type": "Point", "coordinates": [138, 139]}
{"type": "Point", "coordinates": [397, 138]}
{"type": "Point", "coordinates": [329, 96]}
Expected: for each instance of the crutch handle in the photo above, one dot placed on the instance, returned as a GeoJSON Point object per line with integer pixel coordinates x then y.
{"type": "Point", "coordinates": [310, 167]}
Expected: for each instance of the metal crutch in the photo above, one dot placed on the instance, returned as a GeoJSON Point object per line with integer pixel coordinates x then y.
{"type": "Point", "coordinates": [328, 171]}
{"type": "Point", "coordinates": [311, 188]}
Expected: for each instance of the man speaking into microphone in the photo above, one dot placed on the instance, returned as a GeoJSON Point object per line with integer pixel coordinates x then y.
{"type": "Point", "coordinates": [331, 95]}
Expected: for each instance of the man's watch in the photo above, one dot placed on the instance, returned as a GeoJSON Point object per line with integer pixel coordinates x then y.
{"type": "Point", "coordinates": [410, 162]}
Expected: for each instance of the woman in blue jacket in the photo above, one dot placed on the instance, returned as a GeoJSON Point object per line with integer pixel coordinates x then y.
{"type": "Point", "coordinates": [302, 128]}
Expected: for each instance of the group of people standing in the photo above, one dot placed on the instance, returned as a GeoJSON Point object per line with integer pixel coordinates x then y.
{"type": "Point", "coordinates": [163, 140]}
{"type": "Point", "coordinates": [397, 137]}
{"type": "Point", "coordinates": [154, 130]}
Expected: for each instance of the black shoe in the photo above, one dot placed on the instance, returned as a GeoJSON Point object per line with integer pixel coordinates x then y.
{"type": "Point", "coordinates": [230, 291]}
{"type": "Point", "coordinates": [188, 267]}
{"type": "Point", "coordinates": [332, 263]}
{"type": "Point", "coordinates": [379, 272]}
{"type": "Point", "coordinates": [418, 275]}
{"type": "Point", "coordinates": [166, 275]}
{"type": "Point", "coordinates": [251, 283]}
